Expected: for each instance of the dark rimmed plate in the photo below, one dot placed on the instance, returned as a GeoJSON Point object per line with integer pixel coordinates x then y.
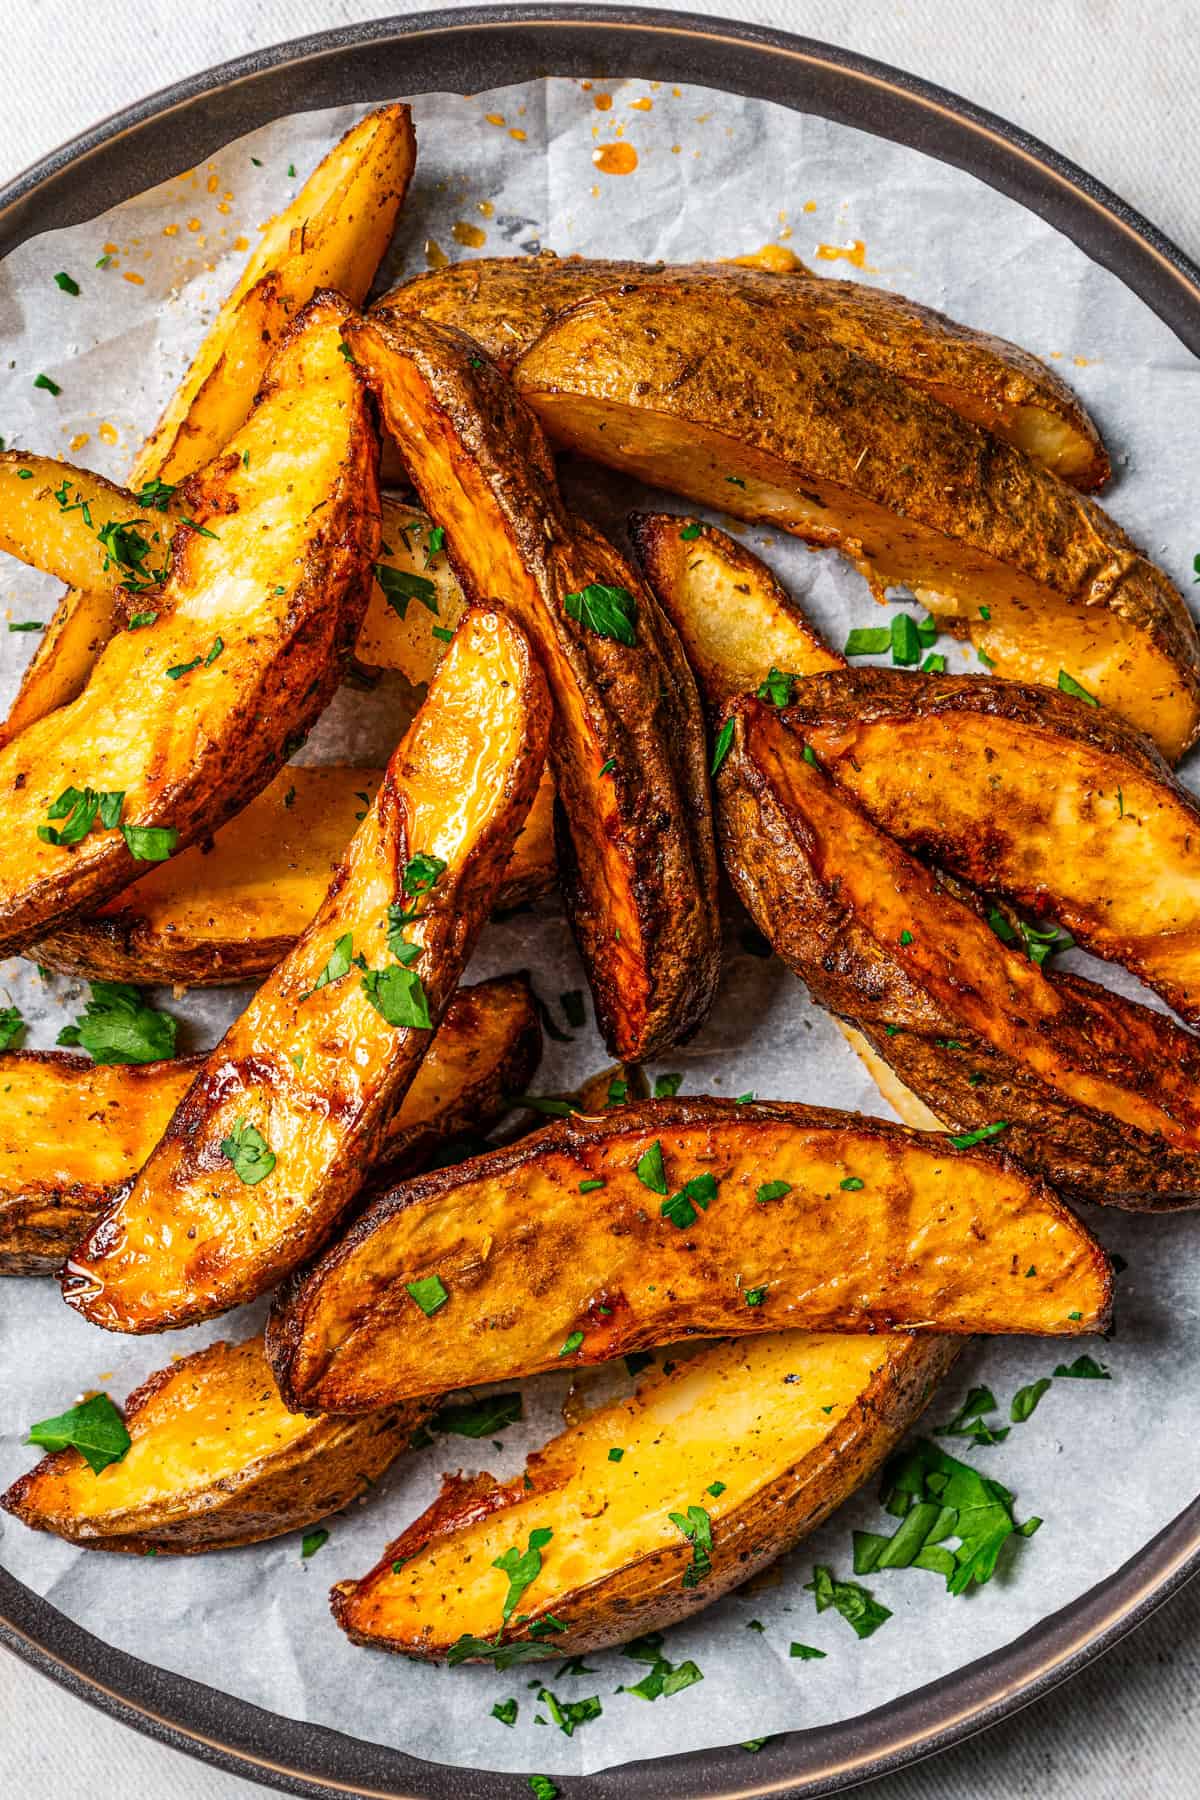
{"type": "Point", "coordinates": [487, 47]}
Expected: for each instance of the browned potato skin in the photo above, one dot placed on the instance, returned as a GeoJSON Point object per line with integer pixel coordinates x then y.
{"type": "Point", "coordinates": [1024, 791]}
{"type": "Point", "coordinates": [301, 1478]}
{"type": "Point", "coordinates": [621, 1601]}
{"type": "Point", "coordinates": [506, 302]}
{"type": "Point", "coordinates": [487, 1047]}
{"type": "Point", "coordinates": [229, 909]}
{"type": "Point", "coordinates": [637, 863]}
{"type": "Point", "coordinates": [735, 621]}
{"type": "Point", "coordinates": [733, 408]}
{"type": "Point", "coordinates": [1099, 1094]}
{"type": "Point", "coordinates": [316, 1068]}
{"type": "Point", "coordinates": [205, 744]}
{"type": "Point", "coordinates": [526, 1264]}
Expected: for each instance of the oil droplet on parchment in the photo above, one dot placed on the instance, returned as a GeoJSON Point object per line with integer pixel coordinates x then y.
{"type": "Point", "coordinates": [615, 159]}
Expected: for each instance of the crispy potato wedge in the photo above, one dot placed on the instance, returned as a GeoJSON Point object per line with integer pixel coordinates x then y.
{"type": "Point", "coordinates": [810, 436]}
{"type": "Point", "coordinates": [734, 620]}
{"type": "Point", "coordinates": [273, 1140]}
{"type": "Point", "coordinates": [332, 235]}
{"type": "Point", "coordinates": [791, 1423]}
{"type": "Point", "coordinates": [73, 1133]}
{"type": "Point", "coordinates": [639, 875]}
{"type": "Point", "coordinates": [1028, 793]}
{"type": "Point", "coordinates": [190, 716]}
{"type": "Point", "coordinates": [1097, 1093]}
{"type": "Point", "coordinates": [51, 514]}
{"type": "Point", "coordinates": [868, 1236]}
{"type": "Point", "coordinates": [506, 302]}
{"type": "Point", "coordinates": [216, 1460]}
{"type": "Point", "coordinates": [229, 909]}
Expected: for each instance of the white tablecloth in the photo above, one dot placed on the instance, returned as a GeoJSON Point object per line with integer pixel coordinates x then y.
{"type": "Point", "coordinates": [1110, 83]}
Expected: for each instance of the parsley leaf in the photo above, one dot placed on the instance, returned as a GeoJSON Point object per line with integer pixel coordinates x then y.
{"type": "Point", "coordinates": [772, 1190]}
{"type": "Point", "coordinates": [1084, 1368]}
{"type": "Point", "coordinates": [481, 1418]}
{"type": "Point", "coordinates": [150, 843]}
{"type": "Point", "coordinates": [696, 1526]}
{"type": "Point", "coordinates": [247, 1149]}
{"type": "Point", "coordinates": [611, 612]}
{"type": "Point", "coordinates": [422, 872]}
{"type": "Point", "coordinates": [861, 1612]}
{"type": "Point", "coordinates": [966, 1140]}
{"type": "Point", "coordinates": [1069, 685]}
{"type": "Point", "coordinates": [667, 1086]}
{"type": "Point", "coordinates": [522, 1568]}
{"type": "Point", "coordinates": [969, 1421]}
{"type": "Point", "coordinates": [506, 1711]}
{"type": "Point", "coordinates": [398, 996]}
{"type": "Point", "coordinates": [649, 1169]}
{"type": "Point", "coordinates": [338, 966]}
{"type": "Point", "coordinates": [399, 586]}
{"type": "Point", "coordinates": [573, 1713]}
{"type": "Point", "coordinates": [699, 1192]}
{"type": "Point", "coordinates": [118, 1027]}
{"type": "Point", "coordinates": [1025, 1400]}
{"type": "Point", "coordinates": [11, 1026]}
{"type": "Point", "coordinates": [721, 747]}
{"type": "Point", "coordinates": [311, 1542]}
{"type": "Point", "coordinates": [777, 688]}
{"type": "Point", "coordinates": [430, 1293]}
{"type": "Point", "coordinates": [95, 1428]}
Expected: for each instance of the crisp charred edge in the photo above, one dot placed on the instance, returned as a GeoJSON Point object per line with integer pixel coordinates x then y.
{"type": "Point", "coordinates": [570, 1137]}
{"type": "Point", "coordinates": [748, 1540]}
{"type": "Point", "coordinates": [870, 696]}
{"type": "Point", "coordinates": [221, 1526]}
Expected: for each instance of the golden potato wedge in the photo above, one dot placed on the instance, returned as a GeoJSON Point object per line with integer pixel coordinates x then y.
{"type": "Point", "coordinates": [229, 909]}
{"type": "Point", "coordinates": [273, 1140]}
{"type": "Point", "coordinates": [767, 1434]}
{"type": "Point", "coordinates": [639, 875]}
{"type": "Point", "coordinates": [216, 1460]}
{"type": "Point", "coordinates": [506, 302]}
{"type": "Point", "coordinates": [52, 516]}
{"type": "Point", "coordinates": [734, 620]}
{"type": "Point", "coordinates": [186, 718]}
{"type": "Point", "coordinates": [1029, 793]}
{"type": "Point", "coordinates": [733, 408]}
{"type": "Point", "coordinates": [332, 235]}
{"type": "Point", "coordinates": [1097, 1093]}
{"type": "Point", "coordinates": [73, 1133]}
{"type": "Point", "coordinates": [534, 1274]}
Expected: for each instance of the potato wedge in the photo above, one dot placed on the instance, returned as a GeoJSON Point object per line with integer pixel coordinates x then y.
{"type": "Point", "coordinates": [332, 235]}
{"type": "Point", "coordinates": [789, 1424]}
{"type": "Point", "coordinates": [735, 409]}
{"type": "Point", "coordinates": [216, 1461]}
{"type": "Point", "coordinates": [190, 716]}
{"type": "Point", "coordinates": [273, 1140]}
{"type": "Point", "coordinates": [1097, 1093]}
{"type": "Point", "coordinates": [734, 620]}
{"type": "Point", "coordinates": [1028, 793]}
{"type": "Point", "coordinates": [639, 875]}
{"type": "Point", "coordinates": [73, 1133]}
{"type": "Point", "coordinates": [229, 909]}
{"type": "Point", "coordinates": [535, 1274]}
{"type": "Point", "coordinates": [506, 302]}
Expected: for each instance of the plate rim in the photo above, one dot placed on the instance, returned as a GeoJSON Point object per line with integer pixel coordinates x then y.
{"type": "Point", "coordinates": [297, 1756]}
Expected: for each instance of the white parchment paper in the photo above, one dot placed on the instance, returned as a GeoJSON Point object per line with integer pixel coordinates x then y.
{"type": "Point", "coordinates": [1107, 1464]}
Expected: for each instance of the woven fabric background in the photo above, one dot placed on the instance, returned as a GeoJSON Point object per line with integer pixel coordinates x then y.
{"type": "Point", "coordinates": [1112, 84]}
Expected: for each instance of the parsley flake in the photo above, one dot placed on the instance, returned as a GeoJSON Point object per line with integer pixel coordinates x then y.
{"type": "Point", "coordinates": [611, 612]}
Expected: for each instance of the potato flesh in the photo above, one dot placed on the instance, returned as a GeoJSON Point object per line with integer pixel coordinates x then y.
{"type": "Point", "coordinates": [748, 1413]}
{"type": "Point", "coordinates": [40, 530]}
{"type": "Point", "coordinates": [1097, 841]}
{"type": "Point", "coordinates": [214, 1460]}
{"type": "Point", "coordinates": [818, 441]}
{"type": "Point", "coordinates": [954, 957]}
{"type": "Point", "coordinates": [528, 1263]}
{"type": "Point", "coordinates": [735, 621]}
{"type": "Point", "coordinates": [316, 1071]}
{"type": "Point", "coordinates": [182, 750]}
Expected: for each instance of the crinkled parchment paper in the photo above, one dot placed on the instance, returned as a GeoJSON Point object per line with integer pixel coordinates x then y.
{"type": "Point", "coordinates": [1106, 1464]}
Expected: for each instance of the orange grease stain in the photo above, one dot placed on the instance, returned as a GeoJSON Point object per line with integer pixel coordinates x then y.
{"type": "Point", "coordinates": [435, 256]}
{"type": "Point", "coordinates": [855, 254]}
{"type": "Point", "coordinates": [485, 209]}
{"type": "Point", "coordinates": [775, 257]}
{"type": "Point", "coordinates": [642, 105]}
{"type": "Point", "coordinates": [470, 235]}
{"type": "Point", "coordinates": [615, 159]}
{"type": "Point", "coordinates": [602, 102]}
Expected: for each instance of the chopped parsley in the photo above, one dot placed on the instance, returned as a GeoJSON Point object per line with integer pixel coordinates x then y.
{"type": "Point", "coordinates": [611, 612]}
{"type": "Point", "coordinates": [66, 282]}
{"type": "Point", "coordinates": [311, 1542]}
{"type": "Point", "coordinates": [806, 1653]}
{"type": "Point", "coordinates": [506, 1711]}
{"type": "Point", "coordinates": [681, 1208]}
{"type": "Point", "coordinates": [968, 1139]}
{"type": "Point", "coordinates": [574, 1009]}
{"type": "Point", "coordinates": [753, 1297]}
{"type": "Point", "coordinates": [429, 1293]}
{"type": "Point", "coordinates": [1069, 685]}
{"type": "Point", "coordinates": [665, 1678]}
{"type": "Point", "coordinates": [398, 996]}
{"type": "Point", "coordinates": [399, 586]}
{"type": "Point", "coordinates": [615, 1454]}
{"type": "Point", "coordinates": [27, 625]}
{"type": "Point", "coordinates": [649, 1169]}
{"type": "Point", "coordinates": [777, 688]}
{"type": "Point", "coordinates": [338, 966]}
{"type": "Point", "coordinates": [249, 1152]}
{"type": "Point", "coordinates": [772, 1190]}
{"type": "Point", "coordinates": [481, 1418]}
{"type": "Point", "coordinates": [1025, 1400]}
{"type": "Point", "coordinates": [861, 1612]}
{"type": "Point", "coordinates": [12, 1024]}
{"type": "Point", "coordinates": [1084, 1368]}
{"type": "Point", "coordinates": [140, 619]}
{"type": "Point", "coordinates": [572, 1343]}
{"type": "Point", "coordinates": [696, 1527]}
{"type": "Point", "coordinates": [937, 1499]}
{"type": "Point", "coordinates": [150, 843]}
{"type": "Point", "coordinates": [44, 382]}
{"type": "Point", "coordinates": [721, 747]}
{"type": "Point", "coordinates": [692, 531]}
{"type": "Point", "coordinates": [78, 807]}
{"type": "Point", "coordinates": [667, 1086]}
{"type": "Point", "coordinates": [179, 669]}
{"type": "Point", "coordinates": [543, 1787]}
{"type": "Point", "coordinates": [852, 1183]}
{"type": "Point", "coordinates": [522, 1568]}
{"type": "Point", "coordinates": [421, 872]}
{"type": "Point", "coordinates": [434, 543]}
{"type": "Point", "coordinates": [589, 1187]}
{"type": "Point", "coordinates": [118, 1027]}
{"type": "Point", "coordinates": [95, 1428]}
{"type": "Point", "coordinates": [572, 1713]}
{"type": "Point", "coordinates": [969, 1421]}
